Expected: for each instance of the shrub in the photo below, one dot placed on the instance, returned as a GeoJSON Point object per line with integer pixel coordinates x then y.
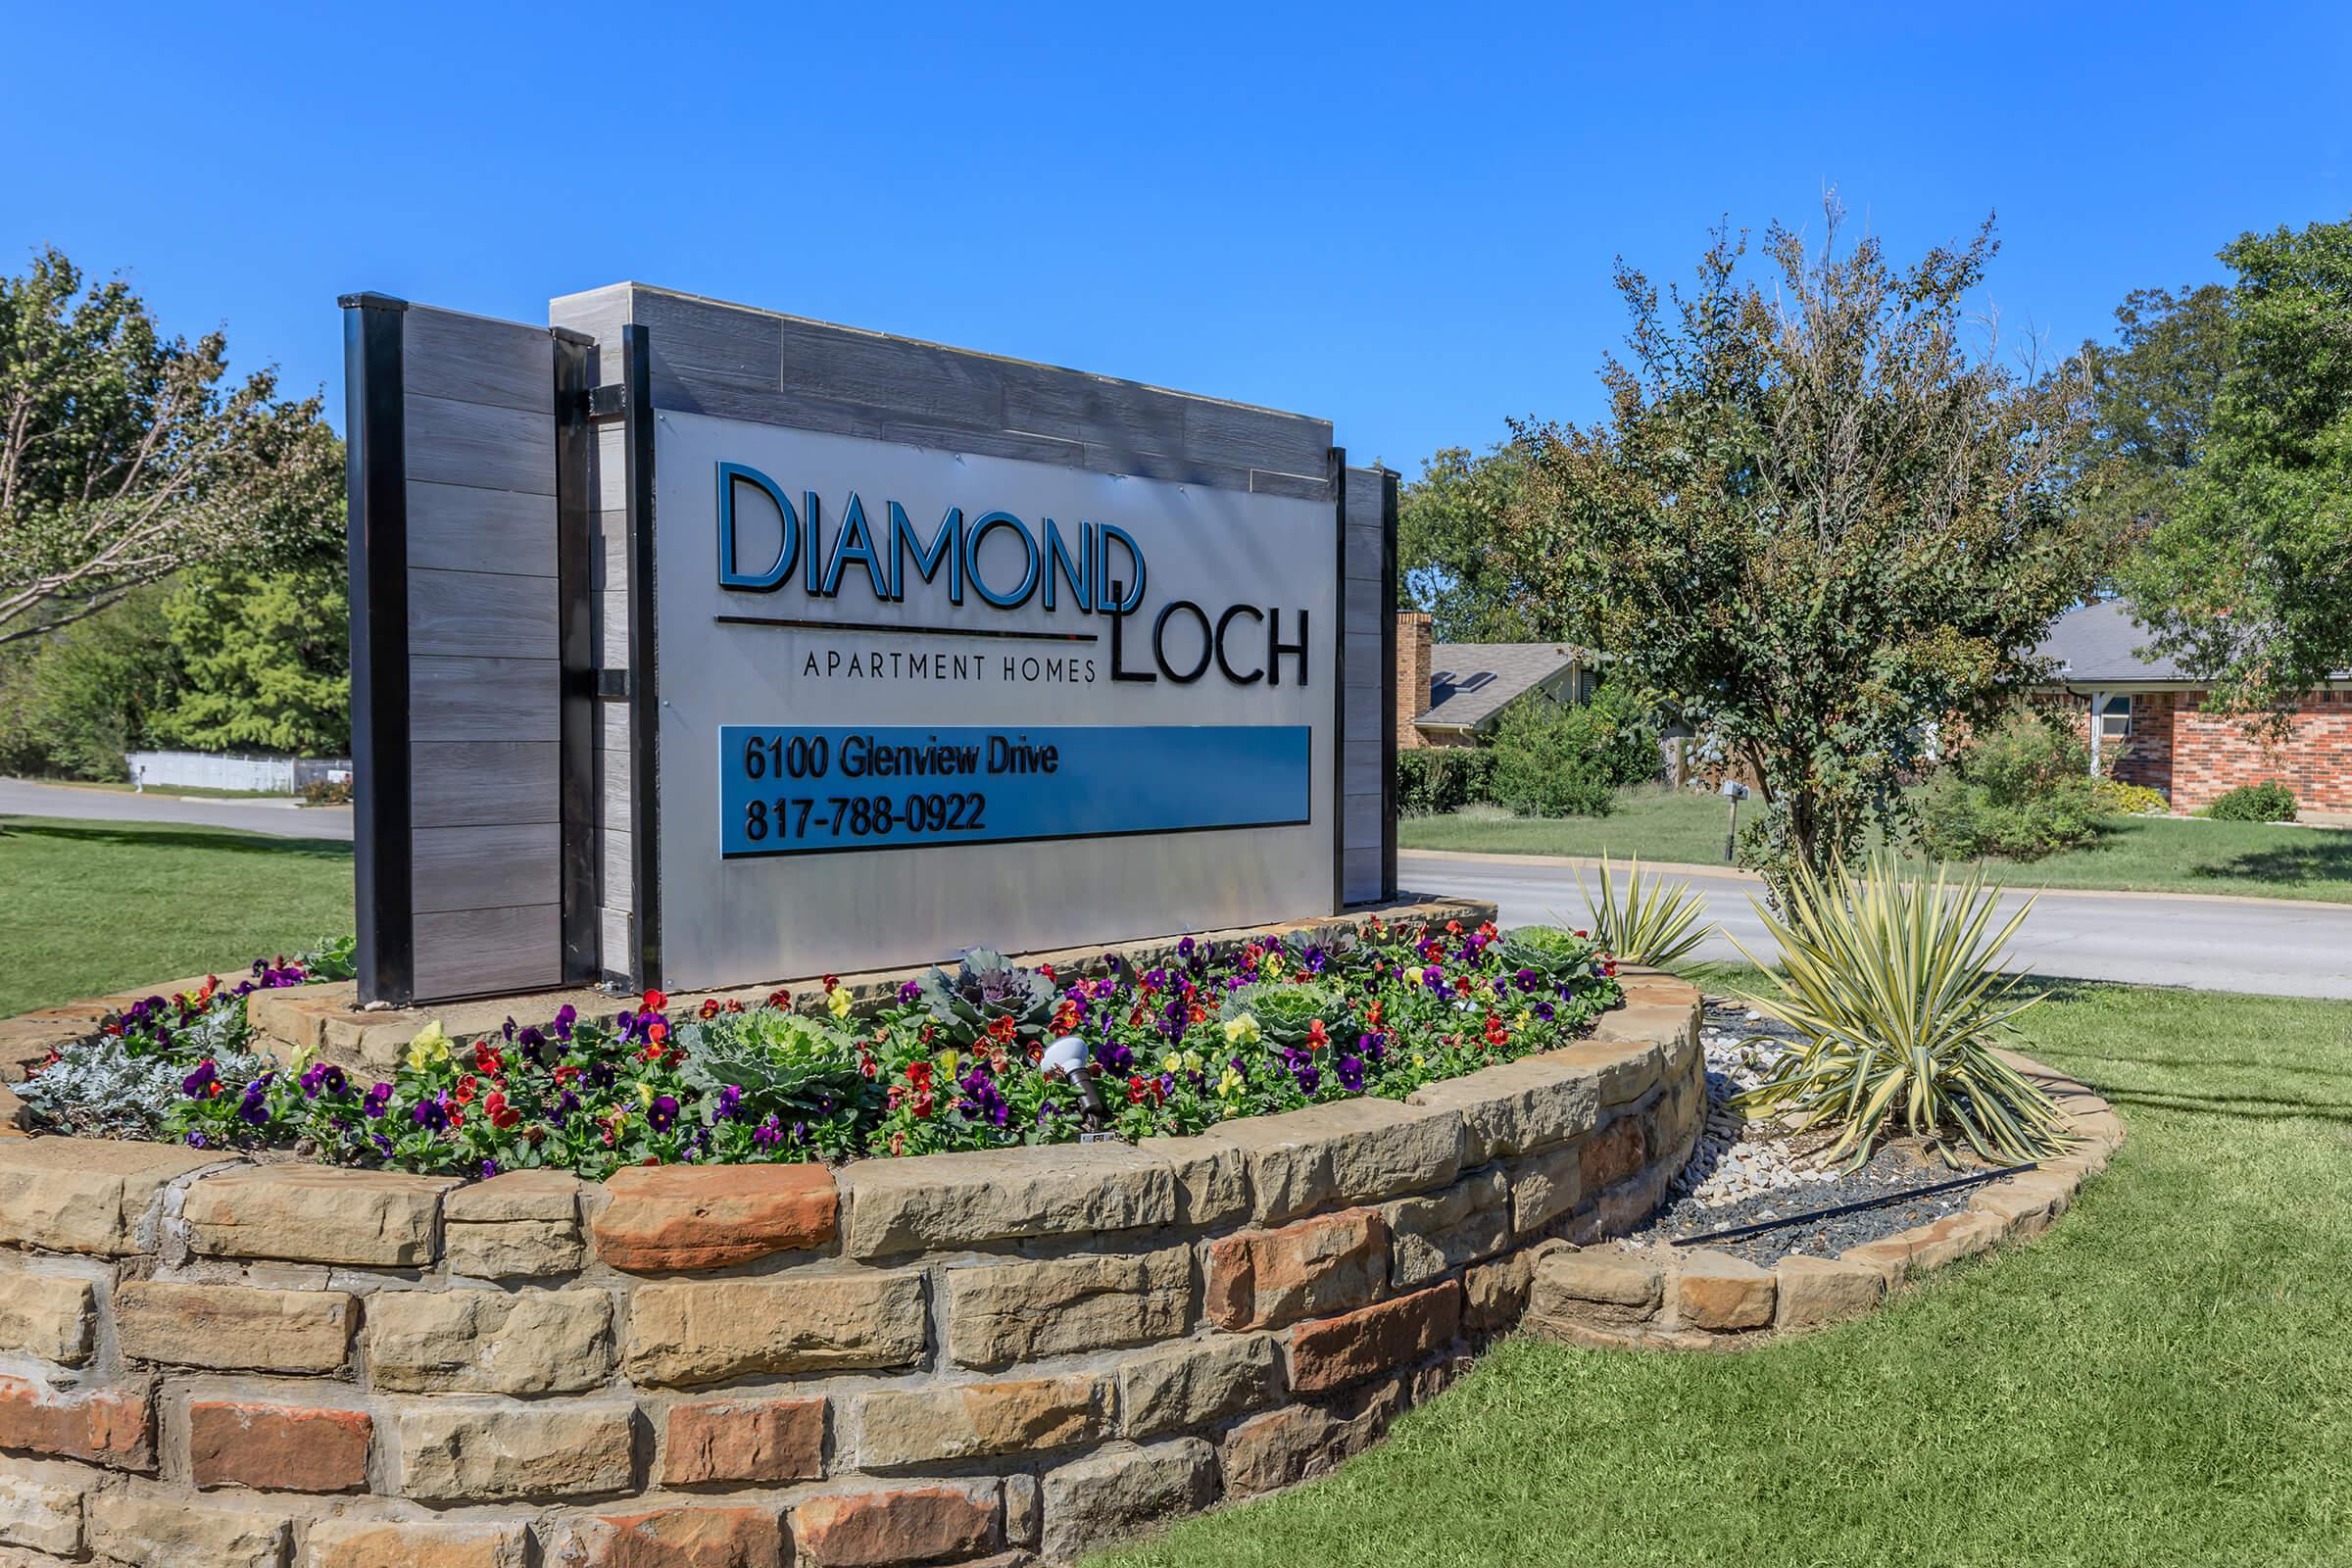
{"type": "Point", "coordinates": [1620, 736]}
{"type": "Point", "coordinates": [1546, 762]}
{"type": "Point", "coordinates": [2022, 791]}
{"type": "Point", "coordinates": [1651, 922]}
{"type": "Point", "coordinates": [1431, 780]}
{"type": "Point", "coordinates": [1895, 990]}
{"type": "Point", "coordinates": [326, 792]}
{"type": "Point", "coordinates": [2115, 797]}
{"type": "Point", "coordinates": [2266, 801]}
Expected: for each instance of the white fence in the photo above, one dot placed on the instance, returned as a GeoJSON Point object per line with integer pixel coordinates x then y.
{"type": "Point", "coordinates": [209, 770]}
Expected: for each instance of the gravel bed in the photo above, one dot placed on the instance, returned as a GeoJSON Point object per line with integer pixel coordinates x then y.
{"type": "Point", "coordinates": [1742, 1172]}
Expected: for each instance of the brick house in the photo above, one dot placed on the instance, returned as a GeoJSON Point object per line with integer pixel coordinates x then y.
{"type": "Point", "coordinates": [2145, 723]}
{"type": "Point", "coordinates": [1453, 694]}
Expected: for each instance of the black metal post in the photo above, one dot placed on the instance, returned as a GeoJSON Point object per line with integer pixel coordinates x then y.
{"type": "Point", "coordinates": [376, 505]}
{"type": "Point", "coordinates": [1388, 682]}
{"type": "Point", "coordinates": [576, 653]}
{"type": "Point", "coordinates": [1337, 467]}
{"type": "Point", "coordinates": [645, 711]}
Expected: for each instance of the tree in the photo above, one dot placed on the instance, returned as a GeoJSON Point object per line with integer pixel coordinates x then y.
{"type": "Point", "coordinates": [74, 703]}
{"type": "Point", "coordinates": [1816, 521]}
{"type": "Point", "coordinates": [2248, 577]}
{"type": "Point", "coordinates": [266, 661]}
{"type": "Point", "coordinates": [125, 457]}
{"type": "Point", "coordinates": [2152, 394]}
{"type": "Point", "coordinates": [1449, 528]}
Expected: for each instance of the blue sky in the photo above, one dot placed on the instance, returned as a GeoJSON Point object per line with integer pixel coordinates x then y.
{"type": "Point", "coordinates": [1403, 220]}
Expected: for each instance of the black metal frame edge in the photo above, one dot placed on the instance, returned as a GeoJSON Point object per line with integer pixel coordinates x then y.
{"type": "Point", "coordinates": [376, 478]}
{"type": "Point", "coordinates": [1389, 478]}
{"type": "Point", "coordinates": [576, 776]}
{"type": "Point", "coordinates": [1338, 682]}
{"type": "Point", "coordinates": [644, 735]}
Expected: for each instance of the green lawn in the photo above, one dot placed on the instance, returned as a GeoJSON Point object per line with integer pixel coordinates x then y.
{"type": "Point", "coordinates": [2140, 854]}
{"type": "Point", "coordinates": [2164, 1378]}
{"type": "Point", "coordinates": [89, 908]}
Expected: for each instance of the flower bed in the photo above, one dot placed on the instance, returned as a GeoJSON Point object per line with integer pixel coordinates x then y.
{"type": "Point", "coordinates": [975, 1059]}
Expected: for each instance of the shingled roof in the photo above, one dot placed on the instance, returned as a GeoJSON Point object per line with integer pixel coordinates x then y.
{"type": "Point", "coordinates": [1470, 683]}
{"type": "Point", "coordinates": [2100, 642]}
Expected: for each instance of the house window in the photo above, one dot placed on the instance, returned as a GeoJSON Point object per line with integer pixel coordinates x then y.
{"type": "Point", "coordinates": [2115, 720]}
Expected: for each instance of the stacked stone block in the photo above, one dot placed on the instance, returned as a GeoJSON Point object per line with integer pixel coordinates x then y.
{"type": "Point", "coordinates": [959, 1358]}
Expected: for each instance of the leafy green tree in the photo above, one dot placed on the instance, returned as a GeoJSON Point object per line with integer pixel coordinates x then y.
{"type": "Point", "coordinates": [127, 456]}
{"type": "Point", "coordinates": [267, 662]}
{"type": "Point", "coordinates": [2248, 577]}
{"type": "Point", "coordinates": [1821, 518]}
{"type": "Point", "coordinates": [2153, 392]}
{"type": "Point", "coordinates": [74, 703]}
{"type": "Point", "coordinates": [1450, 530]}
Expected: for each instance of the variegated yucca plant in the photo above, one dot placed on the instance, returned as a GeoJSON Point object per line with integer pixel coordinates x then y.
{"type": "Point", "coordinates": [1650, 922]}
{"type": "Point", "coordinates": [1895, 986]}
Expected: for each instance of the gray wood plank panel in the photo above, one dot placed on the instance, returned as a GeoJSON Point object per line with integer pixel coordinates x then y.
{"type": "Point", "coordinates": [614, 847]}
{"type": "Point", "coordinates": [1361, 601]}
{"type": "Point", "coordinates": [1258, 438]}
{"type": "Point", "coordinates": [601, 313]}
{"type": "Point", "coordinates": [483, 699]}
{"type": "Point", "coordinates": [942, 435]}
{"type": "Point", "coordinates": [1175, 467]}
{"type": "Point", "coordinates": [696, 341]}
{"type": "Point", "coordinates": [457, 527]}
{"type": "Point", "coordinates": [487, 867]}
{"type": "Point", "coordinates": [473, 783]}
{"type": "Point", "coordinates": [612, 933]}
{"type": "Point", "coordinates": [922, 380]}
{"type": "Point", "coordinates": [468, 952]}
{"type": "Point", "coordinates": [1301, 486]}
{"type": "Point", "coordinates": [472, 443]}
{"type": "Point", "coordinates": [607, 469]}
{"type": "Point", "coordinates": [1361, 823]}
{"type": "Point", "coordinates": [1360, 875]}
{"type": "Point", "coordinates": [730, 399]}
{"type": "Point", "coordinates": [444, 354]}
{"type": "Point", "coordinates": [1121, 416]}
{"type": "Point", "coordinates": [1362, 560]}
{"type": "Point", "coordinates": [481, 614]}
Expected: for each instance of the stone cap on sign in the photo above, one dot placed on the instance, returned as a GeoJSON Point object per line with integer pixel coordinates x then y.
{"type": "Point", "coordinates": [328, 1020]}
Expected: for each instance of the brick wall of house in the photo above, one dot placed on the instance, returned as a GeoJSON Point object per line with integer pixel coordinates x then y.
{"type": "Point", "coordinates": [2194, 756]}
{"type": "Point", "coordinates": [2213, 753]}
{"type": "Point", "coordinates": [1416, 653]}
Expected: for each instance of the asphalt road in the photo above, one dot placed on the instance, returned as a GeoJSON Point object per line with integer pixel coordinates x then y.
{"type": "Point", "coordinates": [21, 797]}
{"type": "Point", "coordinates": [2268, 946]}
{"type": "Point", "coordinates": [2273, 947]}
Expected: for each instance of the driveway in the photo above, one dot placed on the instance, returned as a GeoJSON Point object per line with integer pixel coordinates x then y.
{"type": "Point", "coordinates": [2273, 947]}
{"type": "Point", "coordinates": [21, 798]}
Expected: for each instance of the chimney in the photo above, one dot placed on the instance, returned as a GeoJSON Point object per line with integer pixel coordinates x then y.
{"type": "Point", "coordinates": [1414, 655]}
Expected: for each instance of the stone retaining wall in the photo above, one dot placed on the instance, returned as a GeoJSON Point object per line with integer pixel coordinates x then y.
{"type": "Point", "coordinates": [1664, 1297]}
{"type": "Point", "coordinates": [958, 1358]}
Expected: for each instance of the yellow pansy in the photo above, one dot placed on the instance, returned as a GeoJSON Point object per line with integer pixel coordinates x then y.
{"type": "Point", "coordinates": [948, 1063]}
{"type": "Point", "coordinates": [1419, 1060]}
{"type": "Point", "coordinates": [1230, 1085]}
{"type": "Point", "coordinates": [837, 1002]}
{"type": "Point", "coordinates": [645, 1094]}
{"type": "Point", "coordinates": [1170, 1062]}
{"type": "Point", "coordinates": [1524, 1020]}
{"type": "Point", "coordinates": [1243, 1031]}
{"type": "Point", "coordinates": [1192, 1061]}
{"type": "Point", "coordinates": [302, 1056]}
{"type": "Point", "coordinates": [1273, 964]}
{"type": "Point", "coordinates": [430, 1045]}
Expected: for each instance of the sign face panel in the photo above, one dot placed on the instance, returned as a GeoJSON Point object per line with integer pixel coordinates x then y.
{"type": "Point", "coordinates": [801, 791]}
{"type": "Point", "coordinates": [913, 700]}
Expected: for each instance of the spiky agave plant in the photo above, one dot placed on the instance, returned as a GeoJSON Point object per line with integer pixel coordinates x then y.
{"type": "Point", "coordinates": [1651, 922]}
{"type": "Point", "coordinates": [1895, 985]}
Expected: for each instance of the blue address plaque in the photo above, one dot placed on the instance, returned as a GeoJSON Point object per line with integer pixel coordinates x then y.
{"type": "Point", "coordinates": [806, 790]}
